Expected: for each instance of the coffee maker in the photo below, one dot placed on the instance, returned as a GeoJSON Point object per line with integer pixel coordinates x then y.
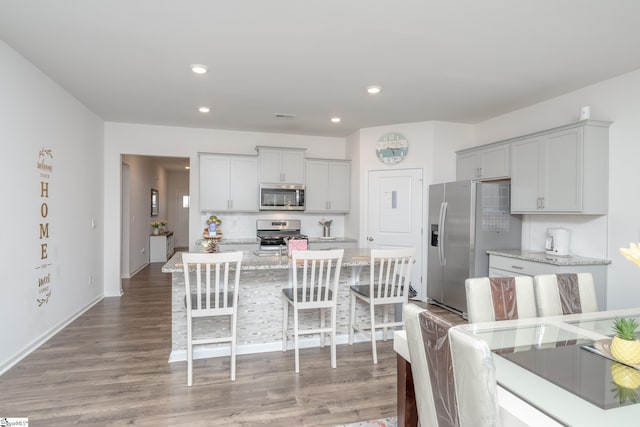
{"type": "Point", "coordinates": [558, 242]}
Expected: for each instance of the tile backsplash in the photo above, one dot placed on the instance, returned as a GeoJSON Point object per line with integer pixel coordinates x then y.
{"type": "Point", "coordinates": [243, 225]}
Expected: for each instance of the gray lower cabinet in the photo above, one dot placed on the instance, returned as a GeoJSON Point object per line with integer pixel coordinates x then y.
{"type": "Point", "coordinates": [501, 266]}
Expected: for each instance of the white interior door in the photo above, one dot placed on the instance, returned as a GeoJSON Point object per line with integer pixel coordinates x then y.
{"type": "Point", "coordinates": [395, 215]}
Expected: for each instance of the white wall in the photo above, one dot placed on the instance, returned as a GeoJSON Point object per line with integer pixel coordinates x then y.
{"type": "Point", "coordinates": [432, 147]}
{"type": "Point", "coordinates": [616, 100]}
{"type": "Point", "coordinates": [353, 219]}
{"type": "Point", "coordinates": [35, 114]}
{"type": "Point", "coordinates": [122, 138]}
{"type": "Point", "coordinates": [449, 138]}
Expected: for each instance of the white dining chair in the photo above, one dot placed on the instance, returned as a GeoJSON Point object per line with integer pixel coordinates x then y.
{"type": "Point", "coordinates": [316, 275]}
{"type": "Point", "coordinates": [420, 369]}
{"type": "Point", "coordinates": [475, 381]}
{"type": "Point", "coordinates": [558, 294]}
{"type": "Point", "coordinates": [499, 298]}
{"type": "Point", "coordinates": [389, 282]}
{"type": "Point", "coordinates": [212, 283]}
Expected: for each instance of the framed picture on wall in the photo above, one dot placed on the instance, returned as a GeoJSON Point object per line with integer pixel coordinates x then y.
{"type": "Point", "coordinates": [154, 202]}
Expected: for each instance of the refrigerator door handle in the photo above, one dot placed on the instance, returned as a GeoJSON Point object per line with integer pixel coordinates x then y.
{"type": "Point", "coordinates": [441, 231]}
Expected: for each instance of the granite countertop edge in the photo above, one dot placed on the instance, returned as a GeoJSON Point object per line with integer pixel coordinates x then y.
{"type": "Point", "coordinates": [542, 257]}
{"type": "Point", "coordinates": [312, 239]}
{"type": "Point", "coordinates": [252, 262]}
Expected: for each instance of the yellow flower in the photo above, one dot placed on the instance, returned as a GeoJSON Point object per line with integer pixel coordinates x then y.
{"type": "Point", "coordinates": [632, 253]}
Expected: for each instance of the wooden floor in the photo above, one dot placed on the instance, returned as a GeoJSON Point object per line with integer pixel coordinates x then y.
{"type": "Point", "coordinates": [109, 368]}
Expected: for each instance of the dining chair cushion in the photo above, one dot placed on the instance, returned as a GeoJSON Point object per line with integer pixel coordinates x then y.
{"type": "Point", "coordinates": [435, 338]}
{"type": "Point", "coordinates": [475, 380]}
{"type": "Point", "coordinates": [425, 401]}
{"type": "Point", "coordinates": [491, 299]}
{"type": "Point", "coordinates": [559, 294]}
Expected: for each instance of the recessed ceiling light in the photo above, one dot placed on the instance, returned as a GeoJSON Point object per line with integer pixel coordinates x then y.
{"type": "Point", "coordinates": [336, 119]}
{"type": "Point", "coordinates": [204, 109]}
{"type": "Point", "coordinates": [199, 68]}
{"type": "Point", "coordinates": [374, 89]}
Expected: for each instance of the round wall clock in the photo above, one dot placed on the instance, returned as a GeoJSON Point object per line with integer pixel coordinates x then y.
{"type": "Point", "coordinates": [392, 148]}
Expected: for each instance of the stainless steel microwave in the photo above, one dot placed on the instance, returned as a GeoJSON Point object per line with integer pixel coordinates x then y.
{"type": "Point", "coordinates": [281, 197]}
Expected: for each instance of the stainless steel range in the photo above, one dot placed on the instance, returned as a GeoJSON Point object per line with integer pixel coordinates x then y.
{"type": "Point", "coordinates": [273, 234]}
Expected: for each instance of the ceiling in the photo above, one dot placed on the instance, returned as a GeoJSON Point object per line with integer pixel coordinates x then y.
{"type": "Point", "coordinates": [460, 61]}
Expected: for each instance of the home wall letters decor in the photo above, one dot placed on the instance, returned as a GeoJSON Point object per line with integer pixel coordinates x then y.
{"type": "Point", "coordinates": [43, 285]}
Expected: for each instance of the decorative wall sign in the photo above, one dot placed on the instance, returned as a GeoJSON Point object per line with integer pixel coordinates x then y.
{"type": "Point", "coordinates": [43, 269]}
{"type": "Point", "coordinates": [392, 148]}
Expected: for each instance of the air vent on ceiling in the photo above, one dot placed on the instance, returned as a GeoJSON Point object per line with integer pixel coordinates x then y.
{"type": "Point", "coordinates": [284, 116]}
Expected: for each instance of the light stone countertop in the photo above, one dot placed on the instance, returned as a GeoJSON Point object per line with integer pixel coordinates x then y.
{"type": "Point", "coordinates": [250, 261]}
{"type": "Point", "coordinates": [312, 239]}
{"type": "Point", "coordinates": [542, 257]}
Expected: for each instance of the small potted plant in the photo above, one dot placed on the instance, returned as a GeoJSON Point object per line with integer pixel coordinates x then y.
{"type": "Point", "coordinates": [625, 347]}
{"type": "Point", "coordinates": [156, 227]}
{"type": "Point", "coordinates": [163, 225]}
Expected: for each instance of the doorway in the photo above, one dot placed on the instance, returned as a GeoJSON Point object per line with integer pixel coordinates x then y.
{"type": "Point", "coordinates": [394, 212]}
{"type": "Point", "coordinates": [169, 177]}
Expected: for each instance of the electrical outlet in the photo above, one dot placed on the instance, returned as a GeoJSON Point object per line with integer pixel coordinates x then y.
{"type": "Point", "coordinates": [90, 280]}
{"type": "Point", "coordinates": [143, 250]}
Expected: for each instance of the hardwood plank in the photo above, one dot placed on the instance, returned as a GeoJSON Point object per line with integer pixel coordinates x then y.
{"type": "Point", "coordinates": [110, 368]}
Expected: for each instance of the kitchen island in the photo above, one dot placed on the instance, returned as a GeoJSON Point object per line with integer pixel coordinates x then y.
{"type": "Point", "coordinates": [260, 305]}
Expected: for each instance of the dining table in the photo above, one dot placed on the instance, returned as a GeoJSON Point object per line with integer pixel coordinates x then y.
{"type": "Point", "coordinates": [556, 370]}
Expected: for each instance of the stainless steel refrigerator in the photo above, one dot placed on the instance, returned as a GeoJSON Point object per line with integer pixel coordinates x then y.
{"type": "Point", "coordinates": [466, 219]}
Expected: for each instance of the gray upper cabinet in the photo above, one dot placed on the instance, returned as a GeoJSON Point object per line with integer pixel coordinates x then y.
{"type": "Point", "coordinates": [562, 170]}
{"type": "Point", "coordinates": [484, 163]}
{"type": "Point", "coordinates": [228, 183]}
{"type": "Point", "coordinates": [328, 185]}
{"type": "Point", "coordinates": [281, 165]}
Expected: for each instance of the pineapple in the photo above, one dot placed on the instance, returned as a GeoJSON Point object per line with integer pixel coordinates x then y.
{"type": "Point", "coordinates": [624, 346]}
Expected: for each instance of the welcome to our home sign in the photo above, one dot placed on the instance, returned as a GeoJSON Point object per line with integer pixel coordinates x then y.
{"type": "Point", "coordinates": [45, 169]}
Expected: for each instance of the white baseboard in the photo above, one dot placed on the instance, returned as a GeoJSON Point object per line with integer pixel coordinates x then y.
{"type": "Point", "coordinates": [33, 345]}
{"type": "Point", "coordinates": [203, 352]}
